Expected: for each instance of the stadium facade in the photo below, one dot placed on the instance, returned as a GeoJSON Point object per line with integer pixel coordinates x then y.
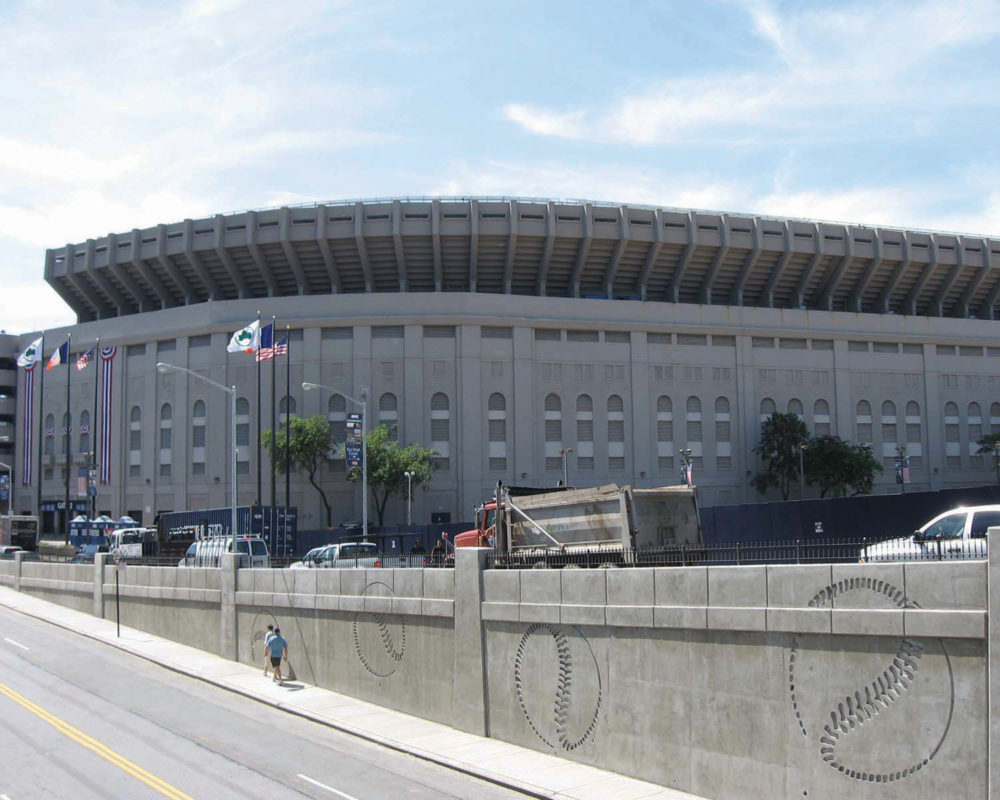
{"type": "Point", "coordinates": [503, 332]}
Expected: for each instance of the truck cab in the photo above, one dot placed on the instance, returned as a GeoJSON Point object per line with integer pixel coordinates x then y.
{"type": "Point", "coordinates": [486, 519]}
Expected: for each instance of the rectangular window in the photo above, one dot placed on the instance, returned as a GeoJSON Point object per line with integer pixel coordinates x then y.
{"type": "Point", "coordinates": [912, 432]}
{"type": "Point", "coordinates": [857, 347]}
{"type": "Point", "coordinates": [792, 344]}
{"type": "Point", "coordinates": [664, 430]}
{"type": "Point", "coordinates": [242, 467]}
{"type": "Point", "coordinates": [969, 350]}
{"type": "Point", "coordinates": [724, 341]}
{"type": "Point", "coordinates": [553, 464]}
{"type": "Point", "coordinates": [886, 347]}
{"type": "Point", "coordinates": [765, 342]}
{"type": "Point", "coordinates": [585, 430]}
{"type": "Point", "coordinates": [164, 470]}
{"type": "Point", "coordinates": [822, 344]}
{"type": "Point", "coordinates": [166, 346]}
{"type": "Point", "coordinates": [724, 462]}
{"type": "Point", "coordinates": [439, 430]}
{"type": "Point", "coordinates": [493, 332]}
{"type": "Point", "coordinates": [694, 432]}
{"type": "Point", "coordinates": [616, 430]}
{"type": "Point", "coordinates": [498, 430]}
{"type": "Point", "coordinates": [439, 331]}
{"type": "Point", "coordinates": [440, 462]}
{"type": "Point", "coordinates": [889, 434]}
{"type": "Point", "coordinates": [692, 338]}
{"type": "Point", "coordinates": [198, 436]}
{"type": "Point", "coordinates": [659, 338]}
{"type": "Point", "coordinates": [387, 331]}
{"type": "Point", "coordinates": [553, 430]}
{"type": "Point", "coordinates": [946, 349]}
{"type": "Point", "coordinates": [198, 468]}
{"type": "Point", "coordinates": [722, 431]}
{"type": "Point", "coordinates": [243, 435]}
{"type": "Point", "coordinates": [617, 337]}
{"type": "Point", "coordinates": [205, 340]}
{"type": "Point", "coordinates": [913, 349]}
{"type": "Point", "coordinates": [333, 334]}
{"type": "Point", "coordinates": [498, 464]}
{"type": "Point", "coordinates": [865, 432]}
{"type": "Point", "coordinates": [135, 440]}
{"type": "Point", "coordinates": [665, 463]}
{"type": "Point", "coordinates": [134, 471]}
{"type": "Point", "coordinates": [585, 463]}
{"type": "Point", "coordinates": [547, 335]}
{"type": "Point", "coordinates": [616, 464]}
{"type": "Point", "coordinates": [136, 350]}
{"type": "Point", "coordinates": [166, 438]}
{"type": "Point", "coordinates": [581, 336]}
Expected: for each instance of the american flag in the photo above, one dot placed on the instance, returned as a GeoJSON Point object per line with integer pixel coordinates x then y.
{"type": "Point", "coordinates": [266, 349]}
{"type": "Point", "coordinates": [84, 360]}
{"type": "Point", "coordinates": [268, 352]}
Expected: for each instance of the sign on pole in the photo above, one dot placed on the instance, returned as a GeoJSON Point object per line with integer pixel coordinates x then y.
{"type": "Point", "coordinates": [353, 439]}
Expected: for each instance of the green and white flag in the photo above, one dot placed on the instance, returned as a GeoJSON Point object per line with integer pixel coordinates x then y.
{"type": "Point", "coordinates": [31, 354]}
{"type": "Point", "coordinates": [246, 340]}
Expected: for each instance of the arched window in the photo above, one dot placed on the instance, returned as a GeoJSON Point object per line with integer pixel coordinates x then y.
{"type": "Point", "coordinates": [914, 434]}
{"type": "Point", "coordinates": [664, 433]}
{"type": "Point", "coordinates": [584, 433]}
{"type": "Point", "coordinates": [975, 431]}
{"type": "Point", "coordinates": [694, 431]}
{"type": "Point", "coordinates": [821, 418]}
{"type": "Point", "coordinates": [863, 422]}
{"type": "Point", "coordinates": [135, 443]}
{"type": "Point", "coordinates": [795, 407]}
{"type": "Point", "coordinates": [995, 418]}
{"type": "Point", "coordinates": [286, 407]}
{"type": "Point", "coordinates": [198, 438]}
{"type": "Point", "coordinates": [767, 408]}
{"type": "Point", "coordinates": [952, 436]}
{"type": "Point", "coordinates": [440, 427]}
{"type": "Point", "coordinates": [890, 435]}
{"type": "Point", "coordinates": [50, 433]}
{"type": "Point", "coordinates": [553, 433]}
{"type": "Point", "coordinates": [166, 440]}
{"type": "Point", "coordinates": [85, 437]}
{"type": "Point", "coordinates": [388, 414]}
{"type": "Point", "coordinates": [723, 434]}
{"type": "Point", "coordinates": [336, 420]}
{"type": "Point", "coordinates": [616, 433]}
{"type": "Point", "coordinates": [496, 411]}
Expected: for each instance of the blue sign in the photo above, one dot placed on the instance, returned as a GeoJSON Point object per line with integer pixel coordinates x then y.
{"type": "Point", "coordinates": [5, 486]}
{"type": "Point", "coordinates": [353, 440]}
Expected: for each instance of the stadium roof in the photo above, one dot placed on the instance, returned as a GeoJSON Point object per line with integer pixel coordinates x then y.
{"type": "Point", "coordinates": [531, 246]}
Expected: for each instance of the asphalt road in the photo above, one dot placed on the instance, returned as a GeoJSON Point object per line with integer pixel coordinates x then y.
{"type": "Point", "coordinates": [82, 720]}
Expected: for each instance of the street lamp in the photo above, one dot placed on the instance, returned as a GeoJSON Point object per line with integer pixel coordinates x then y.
{"type": "Point", "coordinates": [409, 494]}
{"type": "Point", "coordinates": [363, 402]}
{"type": "Point", "coordinates": [10, 485]}
{"type": "Point", "coordinates": [685, 454]}
{"type": "Point", "coordinates": [565, 459]}
{"type": "Point", "coordinates": [165, 368]}
{"type": "Point", "coordinates": [802, 471]}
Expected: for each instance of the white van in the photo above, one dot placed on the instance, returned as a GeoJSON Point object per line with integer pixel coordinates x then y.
{"type": "Point", "coordinates": [959, 533]}
{"type": "Point", "coordinates": [208, 552]}
{"type": "Point", "coordinates": [128, 542]}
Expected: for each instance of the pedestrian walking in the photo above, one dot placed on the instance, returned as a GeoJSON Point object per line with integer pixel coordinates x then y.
{"type": "Point", "coordinates": [267, 653]}
{"type": "Point", "coordinates": [278, 648]}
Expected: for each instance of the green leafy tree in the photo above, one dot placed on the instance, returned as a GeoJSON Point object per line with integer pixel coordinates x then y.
{"type": "Point", "coordinates": [781, 436]}
{"type": "Point", "coordinates": [309, 442]}
{"type": "Point", "coordinates": [840, 468]}
{"type": "Point", "coordinates": [990, 445]}
{"type": "Point", "coordinates": [387, 466]}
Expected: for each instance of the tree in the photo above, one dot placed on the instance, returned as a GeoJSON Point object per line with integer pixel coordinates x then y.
{"type": "Point", "coordinates": [838, 467]}
{"type": "Point", "coordinates": [990, 445]}
{"type": "Point", "coordinates": [781, 437]}
{"type": "Point", "coordinates": [387, 465]}
{"type": "Point", "coordinates": [310, 441]}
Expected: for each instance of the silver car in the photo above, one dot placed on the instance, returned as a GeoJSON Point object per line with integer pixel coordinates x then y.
{"type": "Point", "coordinates": [959, 533]}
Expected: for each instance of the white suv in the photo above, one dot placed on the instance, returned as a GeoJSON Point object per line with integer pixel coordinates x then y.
{"type": "Point", "coordinates": [959, 533]}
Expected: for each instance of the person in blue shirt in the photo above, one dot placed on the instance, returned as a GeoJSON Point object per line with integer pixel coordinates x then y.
{"type": "Point", "coordinates": [278, 649]}
{"type": "Point", "coordinates": [267, 652]}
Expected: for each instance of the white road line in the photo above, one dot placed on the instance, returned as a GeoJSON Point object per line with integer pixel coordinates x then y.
{"type": "Point", "coordinates": [23, 648]}
{"type": "Point", "coordinates": [328, 788]}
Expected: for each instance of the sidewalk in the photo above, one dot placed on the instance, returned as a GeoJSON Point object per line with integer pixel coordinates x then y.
{"type": "Point", "coordinates": [519, 768]}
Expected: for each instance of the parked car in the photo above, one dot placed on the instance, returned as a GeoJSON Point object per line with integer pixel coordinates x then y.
{"type": "Point", "coordinates": [86, 553]}
{"type": "Point", "coordinates": [308, 561]}
{"type": "Point", "coordinates": [208, 552]}
{"type": "Point", "coordinates": [959, 533]}
{"type": "Point", "coordinates": [349, 555]}
{"type": "Point", "coordinates": [7, 552]}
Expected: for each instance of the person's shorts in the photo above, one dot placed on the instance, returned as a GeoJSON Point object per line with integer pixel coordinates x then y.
{"type": "Point", "coordinates": [275, 661]}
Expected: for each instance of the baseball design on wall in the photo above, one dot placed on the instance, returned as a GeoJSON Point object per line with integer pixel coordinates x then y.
{"type": "Point", "coordinates": [883, 689]}
{"type": "Point", "coordinates": [558, 685]}
{"type": "Point", "coordinates": [379, 639]}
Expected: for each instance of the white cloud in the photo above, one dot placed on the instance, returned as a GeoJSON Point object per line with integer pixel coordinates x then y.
{"type": "Point", "coordinates": [836, 68]}
{"type": "Point", "coordinates": [33, 307]}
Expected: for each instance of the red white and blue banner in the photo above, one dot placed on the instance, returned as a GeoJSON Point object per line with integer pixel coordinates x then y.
{"type": "Point", "coordinates": [29, 427]}
{"type": "Point", "coordinates": [107, 387]}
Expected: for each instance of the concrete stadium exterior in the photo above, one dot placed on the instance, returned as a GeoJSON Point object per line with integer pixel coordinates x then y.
{"type": "Point", "coordinates": [502, 332]}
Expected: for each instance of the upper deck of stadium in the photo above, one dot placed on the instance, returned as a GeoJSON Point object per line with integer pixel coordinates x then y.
{"type": "Point", "coordinates": [521, 246]}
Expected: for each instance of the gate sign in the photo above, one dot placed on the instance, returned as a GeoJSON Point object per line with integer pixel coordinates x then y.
{"type": "Point", "coordinates": [354, 436]}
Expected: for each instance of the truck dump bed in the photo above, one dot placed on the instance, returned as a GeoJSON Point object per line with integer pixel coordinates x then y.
{"type": "Point", "coordinates": [666, 516]}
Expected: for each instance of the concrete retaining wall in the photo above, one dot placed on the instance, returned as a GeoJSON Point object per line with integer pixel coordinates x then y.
{"type": "Point", "coordinates": [826, 681]}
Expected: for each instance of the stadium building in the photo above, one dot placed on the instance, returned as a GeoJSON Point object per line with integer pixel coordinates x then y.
{"type": "Point", "coordinates": [516, 337]}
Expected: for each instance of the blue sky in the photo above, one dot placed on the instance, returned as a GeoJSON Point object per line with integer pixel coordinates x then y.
{"type": "Point", "coordinates": [120, 115]}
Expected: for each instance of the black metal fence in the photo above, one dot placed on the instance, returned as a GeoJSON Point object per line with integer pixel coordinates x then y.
{"type": "Point", "coordinates": [798, 551]}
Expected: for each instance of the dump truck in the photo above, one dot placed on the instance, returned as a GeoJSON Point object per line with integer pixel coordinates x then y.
{"type": "Point", "coordinates": [20, 530]}
{"type": "Point", "coordinates": [607, 524]}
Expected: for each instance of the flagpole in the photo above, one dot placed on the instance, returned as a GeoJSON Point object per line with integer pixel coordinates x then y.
{"type": "Point", "coordinates": [41, 421]}
{"type": "Point", "coordinates": [274, 392]}
{"type": "Point", "coordinates": [69, 428]}
{"type": "Point", "coordinates": [257, 359]}
{"type": "Point", "coordinates": [288, 415]}
{"type": "Point", "coordinates": [93, 431]}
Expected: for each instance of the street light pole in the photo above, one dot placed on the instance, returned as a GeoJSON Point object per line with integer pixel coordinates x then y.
{"type": "Point", "coordinates": [163, 367]}
{"type": "Point", "coordinates": [363, 402]}
{"type": "Point", "coordinates": [802, 471]}
{"type": "Point", "coordinates": [10, 485]}
{"type": "Point", "coordinates": [409, 495]}
{"type": "Point", "coordinates": [565, 459]}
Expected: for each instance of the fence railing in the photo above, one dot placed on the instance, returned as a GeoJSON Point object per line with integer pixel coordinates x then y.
{"type": "Point", "coordinates": [797, 551]}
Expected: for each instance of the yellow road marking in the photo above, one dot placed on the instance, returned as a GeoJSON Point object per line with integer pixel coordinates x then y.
{"type": "Point", "coordinates": [97, 747]}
